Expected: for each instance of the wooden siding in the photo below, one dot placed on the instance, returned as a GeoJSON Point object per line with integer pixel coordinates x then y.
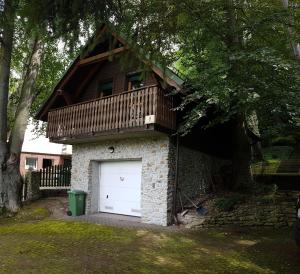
{"type": "Point", "coordinates": [122, 111]}
{"type": "Point", "coordinates": [111, 70]}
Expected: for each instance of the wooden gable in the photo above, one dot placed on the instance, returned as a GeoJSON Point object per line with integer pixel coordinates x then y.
{"type": "Point", "coordinates": [106, 58]}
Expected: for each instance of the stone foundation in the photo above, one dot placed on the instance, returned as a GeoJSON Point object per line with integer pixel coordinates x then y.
{"type": "Point", "coordinates": [281, 212]}
{"type": "Point", "coordinates": [154, 154]}
{"type": "Point", "coordinates": [158, 156]}
{"type": "Point", "coordinates": [196, 171]}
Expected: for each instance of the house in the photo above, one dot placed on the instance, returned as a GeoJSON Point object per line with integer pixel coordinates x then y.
{"type": "Point", "coordinates": [38, 152]}
{"type": "Point", "coordinates": [112, 106]}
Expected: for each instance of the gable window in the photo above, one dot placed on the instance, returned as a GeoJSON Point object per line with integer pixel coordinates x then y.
{"type": "Point", "coordinates": [31, 163]}
{"type": "Point", "coordinates": [135, 81]}
{"type": "Point", "coordinates": [106, 89]}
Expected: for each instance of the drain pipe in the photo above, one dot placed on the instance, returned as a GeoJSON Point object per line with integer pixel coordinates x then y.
{"type": "Point", "coordinates": [176, 182]}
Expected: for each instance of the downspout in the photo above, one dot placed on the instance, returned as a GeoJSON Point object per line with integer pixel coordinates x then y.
{"type": "Point", "coordinates": [176, 182]}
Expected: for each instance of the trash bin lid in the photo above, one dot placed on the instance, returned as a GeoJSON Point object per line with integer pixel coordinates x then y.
{"type": "Point", "coordinates": [76, 191]}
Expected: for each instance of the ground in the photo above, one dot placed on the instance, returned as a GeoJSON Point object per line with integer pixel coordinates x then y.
{"type": "Point", "coordinates": [36, 241]}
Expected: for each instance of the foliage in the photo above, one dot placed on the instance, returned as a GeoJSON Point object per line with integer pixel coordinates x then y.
{"type": "Point", "coordinates": [235, 55]}
{"type": "Point", "coordinates": [277, 153]}
{"type": "Point", "coordinates": [228, 203]}
{"type": "Point", "coordinates": [283, 141]}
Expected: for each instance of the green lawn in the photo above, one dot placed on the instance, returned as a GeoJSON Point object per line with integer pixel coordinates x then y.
{"type": "Point", "coordinates": [33, 243]}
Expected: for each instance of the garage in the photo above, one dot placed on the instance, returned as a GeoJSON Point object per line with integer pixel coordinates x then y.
{"type": "Point", "coordinates": [120, 187]}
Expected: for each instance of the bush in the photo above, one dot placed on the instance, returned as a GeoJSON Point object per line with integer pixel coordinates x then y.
{"type": "Point", "coordinates": [277, 152]}
{"type": "Point", "coordinates": [228, 203]}
{"type": "Point", "coordinates": [284, 141]}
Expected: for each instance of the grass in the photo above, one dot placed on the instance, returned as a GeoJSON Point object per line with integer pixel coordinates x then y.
{"type": "Point", "coordinates": [277, 153]}
{"type": "Point", "coordinates": [33, 243]}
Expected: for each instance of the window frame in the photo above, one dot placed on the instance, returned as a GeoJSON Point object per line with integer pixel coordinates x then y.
{"type": "Point", "coordinates": [137, 75]}
{"type": "Point", "coordinates": [28, 167]}
{"type": "Point", "coordinates": [101, 90]}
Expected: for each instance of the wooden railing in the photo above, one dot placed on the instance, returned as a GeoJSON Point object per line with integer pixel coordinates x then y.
{"type": "Point", "coordinates": [121, 111]}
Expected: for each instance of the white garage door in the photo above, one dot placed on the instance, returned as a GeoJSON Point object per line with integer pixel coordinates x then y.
{"type": "Point", "coordinates": [120, 187]}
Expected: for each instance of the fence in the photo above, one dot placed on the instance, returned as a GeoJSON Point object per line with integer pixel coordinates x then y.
{"type": "Point", "coordinates": [55, 177]}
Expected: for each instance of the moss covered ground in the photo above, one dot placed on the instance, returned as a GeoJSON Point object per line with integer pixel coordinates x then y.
{"type": "Point", "coordinates": [31, 242]}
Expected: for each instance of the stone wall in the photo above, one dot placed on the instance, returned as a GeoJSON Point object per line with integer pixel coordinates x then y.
{"type": "Point", "coordinates": [256, 212]}
{"type": "Point", "coordinates": [156, 172]}
{"type": "Point", "coordinates": [195, 171]}
{"type": "Point", "coordinates": [31, 187]}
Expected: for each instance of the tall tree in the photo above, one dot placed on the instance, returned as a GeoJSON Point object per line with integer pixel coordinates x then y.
{"type": "Point", "coordinates": [7, 28]}
{"type": "Point", "coordinates": [235, 55]}
{"type": "Point", "coordinates": [40, 24]}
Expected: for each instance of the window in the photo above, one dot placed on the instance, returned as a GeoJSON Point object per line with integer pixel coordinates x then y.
{"type": "Point", "coordinates": [135, 81]}
{"type": "Point", "coordinates": [31, 164]}
{"type": "Point", "coordinates": [47, 163]}
{"type": "Point", "coordinates": [106, 89]}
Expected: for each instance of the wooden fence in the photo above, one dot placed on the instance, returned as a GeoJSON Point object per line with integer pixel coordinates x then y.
{"type": "Point", "coordinates": [56, 177]}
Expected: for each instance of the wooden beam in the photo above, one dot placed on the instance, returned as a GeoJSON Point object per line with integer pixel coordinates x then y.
{"type": "Point", "coordinates": [163, 76]}
{"type": "Point", "coordinates": [100, 57]}
{"type": "Point", "coordinates": [68, 76]}
{"type": "Point", "coordinates": [92, 72]}
{"type": "Point", "coordinates": [95, 42]}
{"type": "Point", "coordinates": [47, 107]}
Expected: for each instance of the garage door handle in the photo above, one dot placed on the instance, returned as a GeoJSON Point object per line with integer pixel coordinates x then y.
{"type": "Point", "coordinates": [106, 196]}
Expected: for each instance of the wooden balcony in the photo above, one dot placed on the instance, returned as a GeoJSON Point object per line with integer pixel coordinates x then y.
{"type": "Point", "coordinates": [115, 113]}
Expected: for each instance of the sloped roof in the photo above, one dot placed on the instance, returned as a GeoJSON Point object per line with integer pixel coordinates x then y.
{"type": "Point", "coordinates": [169, 76]}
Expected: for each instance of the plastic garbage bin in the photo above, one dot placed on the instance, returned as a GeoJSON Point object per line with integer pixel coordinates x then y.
{"type": "Point", "coordinates": [76, 202]}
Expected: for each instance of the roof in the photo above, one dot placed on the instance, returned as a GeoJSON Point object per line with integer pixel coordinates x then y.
{"type": "Point", "coordinates": [169, 76]}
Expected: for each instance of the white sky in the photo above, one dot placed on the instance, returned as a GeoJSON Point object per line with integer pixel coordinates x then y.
{"type": "Point", "coordinates": [42, 144]}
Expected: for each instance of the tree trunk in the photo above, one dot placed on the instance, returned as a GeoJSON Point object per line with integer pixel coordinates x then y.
{"type": "Point", "coordinates": [241, 157]}
{"type": "Point", "coordinates": [291, 33]}
{"type": "Point", "coordinates": [5, 62]}
{"type": "Point", "coordinates": [241, 160]}
{"type": "Point", "coordinates": [11, 174]}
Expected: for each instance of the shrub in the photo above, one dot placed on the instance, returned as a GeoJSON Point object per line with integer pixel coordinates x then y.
{"type": "Point", "coordinates": [284, 141]}
{"type": "Point", "coordinates": [228, 203]}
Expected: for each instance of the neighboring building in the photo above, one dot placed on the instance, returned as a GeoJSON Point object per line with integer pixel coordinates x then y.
{"type": "Point", "coordinates": [121, 126]}
{"type": "Point", "coordinates": [38, 152]}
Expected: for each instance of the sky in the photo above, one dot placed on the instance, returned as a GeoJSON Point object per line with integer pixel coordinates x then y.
{"type": "Point", "coordinates": [41, 144]}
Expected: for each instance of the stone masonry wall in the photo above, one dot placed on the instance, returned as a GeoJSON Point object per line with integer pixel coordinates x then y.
{"type": "Point", "coordinates": [156, 172]}
{"type": "Point", "coordinates": [195, 171]}
{"type": "Point", "coordinates": [279, 212]}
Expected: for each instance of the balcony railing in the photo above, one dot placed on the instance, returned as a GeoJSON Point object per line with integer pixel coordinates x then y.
{"type": "Point", "coordinates": [122, 111]}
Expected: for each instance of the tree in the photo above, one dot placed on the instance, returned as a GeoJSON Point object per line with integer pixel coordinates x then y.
{"type": "Point", "coordinates": [28, 29]}
{"type": "Point", "coordinates": [236, 56]}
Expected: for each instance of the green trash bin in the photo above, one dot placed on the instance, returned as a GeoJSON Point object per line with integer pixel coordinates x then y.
{"type": "Point", "coordinates": [76, 202]}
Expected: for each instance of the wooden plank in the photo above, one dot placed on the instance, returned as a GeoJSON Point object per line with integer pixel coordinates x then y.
{"type": "Point", "coordinates": [100, 118]}
{"type": "Point", "coordinates": [87, 80]}
{"type": "Point", "coordinates": [93, 116]}
{"type": "Point", "coordinates": [119, 111]}
{"type": "Point", "coordinates": [109, 113]}
{"type": "Point", "coordinates": [105, 114]}
{"type": "Point", "coordinates": [127, 110]}
{"type": "Point", "coordinates": [100, 57]}
{"type": "Point", "coordinates": [121, 99]}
